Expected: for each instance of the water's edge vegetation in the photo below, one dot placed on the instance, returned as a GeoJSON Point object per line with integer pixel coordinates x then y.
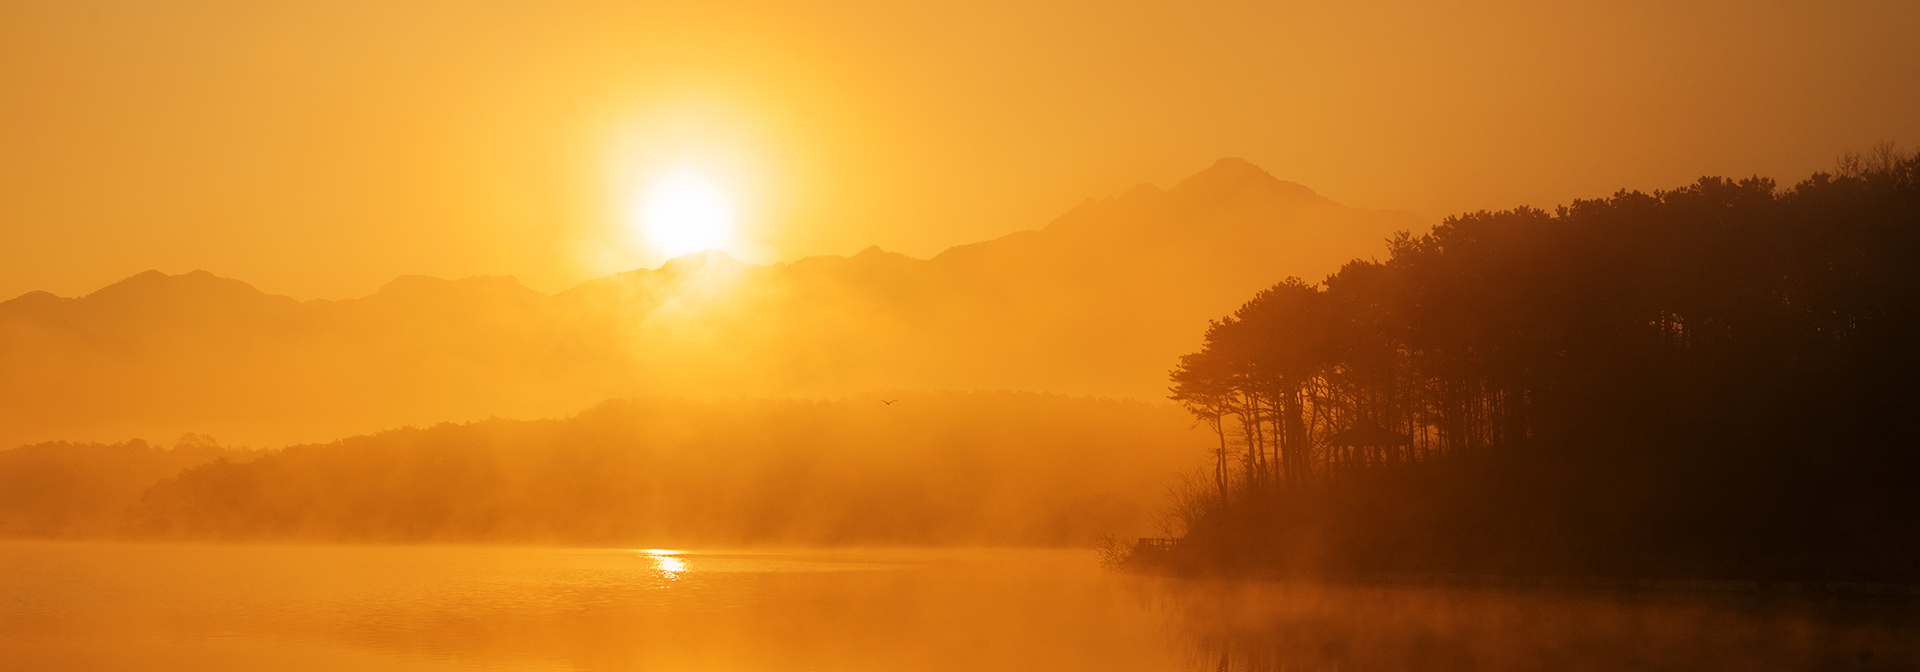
{"type": "Point", "coordinates": [1718, 382]}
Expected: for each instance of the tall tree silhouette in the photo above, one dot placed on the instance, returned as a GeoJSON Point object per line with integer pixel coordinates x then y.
{"type": "Point", "coordinates": [1719, 378]}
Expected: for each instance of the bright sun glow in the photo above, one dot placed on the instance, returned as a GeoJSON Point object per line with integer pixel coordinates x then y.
{"type": "Point", "coordinates": [685, 212]}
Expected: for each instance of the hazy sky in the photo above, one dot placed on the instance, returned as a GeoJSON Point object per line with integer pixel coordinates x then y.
{"type": "Point", "coordinates": [320, 149]}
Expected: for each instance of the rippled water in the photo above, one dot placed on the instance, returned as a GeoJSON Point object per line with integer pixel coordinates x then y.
{"type": "Point", "coordinates": [165, 607]}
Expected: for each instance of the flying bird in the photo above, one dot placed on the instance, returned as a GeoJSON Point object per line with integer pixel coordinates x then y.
{"type": "Point", "coordinates": [889, 403]}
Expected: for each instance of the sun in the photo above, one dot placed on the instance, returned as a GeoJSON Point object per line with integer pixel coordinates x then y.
{"type": "Point", "coordinates": [683, 211]}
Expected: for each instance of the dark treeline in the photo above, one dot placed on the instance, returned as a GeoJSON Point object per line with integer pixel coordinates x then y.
{"type": "Point", "coordinates": [1714, 381]}
{"type": "Point", "coordinates": [61, 489]}
{"type": "Point", "coordinates": [995, 468]}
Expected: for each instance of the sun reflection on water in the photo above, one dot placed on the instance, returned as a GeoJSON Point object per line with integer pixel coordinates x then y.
{"type": "Point", "coordinates": [664, 562]}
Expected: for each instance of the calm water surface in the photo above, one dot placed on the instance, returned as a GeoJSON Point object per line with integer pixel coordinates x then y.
{"type": "Point", "coordinates": [71, 606]}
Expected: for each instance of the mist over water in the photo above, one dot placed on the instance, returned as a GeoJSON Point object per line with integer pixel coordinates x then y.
{"type": "Point", "coordinates": [1057, 336]}
{"type": "Point", "coordinates": [79, 606]}
{"type": "Point", "coordinates": [1738, 419]}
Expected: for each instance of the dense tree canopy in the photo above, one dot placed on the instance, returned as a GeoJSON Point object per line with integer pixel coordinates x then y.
{"type": "Point", "coordinates": [1720, 378]}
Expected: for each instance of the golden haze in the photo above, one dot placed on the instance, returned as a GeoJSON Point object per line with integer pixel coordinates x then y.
{"type": "Point", "coordinates": [318, 150]}
{"type": "Point", "coordinates": [613, 334]}
{"type": "Point", "coordinates": [1102, 301]}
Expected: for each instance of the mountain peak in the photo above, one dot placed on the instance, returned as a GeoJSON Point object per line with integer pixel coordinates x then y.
{"type": "Point", "coordinates": [704, 261]}
{"type": "Point", "coordinates": [1231, 175]}
{"type": "Point", "coordinates": [31, 300]}
{"type": "Point", "coordinates": [873, 254]}
{"type": "Point", "coordinates": [149, 284]}
{"type": "Point", "coordinates": [1235, 165]}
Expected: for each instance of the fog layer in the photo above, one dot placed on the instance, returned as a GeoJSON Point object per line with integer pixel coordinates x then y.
{"type": "Point", "coordinates": [950, 468]}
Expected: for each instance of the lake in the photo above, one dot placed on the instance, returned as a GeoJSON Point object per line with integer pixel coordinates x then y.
{"type": "Point", "coordinates": [110, 606]}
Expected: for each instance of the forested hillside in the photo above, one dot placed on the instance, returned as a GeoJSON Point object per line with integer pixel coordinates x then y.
{"type": "Point", "coordinates": [925, 469]}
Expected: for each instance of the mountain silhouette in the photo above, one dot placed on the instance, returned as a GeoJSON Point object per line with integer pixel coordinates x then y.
{"type": "Point", "coordinates": [1101, 301]}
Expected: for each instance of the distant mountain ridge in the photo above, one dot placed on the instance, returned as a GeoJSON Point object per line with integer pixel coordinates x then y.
{"type": "Point", "coordinates": [1099, 302]}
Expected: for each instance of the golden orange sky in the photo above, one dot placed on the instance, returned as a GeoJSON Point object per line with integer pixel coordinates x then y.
{"type": "Point", "coordinates": [320, 149]}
